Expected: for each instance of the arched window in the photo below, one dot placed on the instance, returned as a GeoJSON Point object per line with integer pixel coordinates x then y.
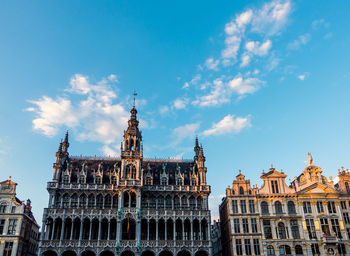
{"type": "Point", "coordinates": [66, 201]}
{"type": "Point", "coordinates": [179, 181]}
{"type": "Point", "coordinates": [82, 179]}
{"type": "Point", "coordinates": [3, 207]}
{"type": "Point", "coordinates": [281, 231]}
{"type": "Point", "coordinates": [114, 180]}
{"type": "Point", "coordinates": [241, 190]}
{"type": "Point", "coordinates": [168, 204]}
{"type": "Point", "coordinates": [74, 201]}
{"type": "Point", "coordinates": [82, 201]}
{"type": "Point", "coordinates": [128, 229]}
{"type": "Point", "coordinates": [264, 207]}
{"type": "Point", "coordinates": [149, 181]}
{"type": "Point", "coordinates": [91, 201]}
{"type": "Point", "coordinates": [132, 199]}
{"type": "Point", "coordinates": [291, 207]}
{"type": "Point", "coordinates": [284, 250]}
{"type": "Point", "coordinates": [184, 202]}
{"type": "Point", "coordinates": [98, 180]}
{"type": "Point", "coordinates": [115, 201]}
{"type": "Point", "coordinates": [299, 250]}
{"type": "Point", "coordinates": [177, 202]}
{"type": "Point", "coordinates": [130, 172]}
{"type": "Point", "coordinates": [108, 201]}
{"type": "Point", "coordinates": [164, 181]}
{"type": "Point", "coordinates": [126, 199]}
{"type": "Point", "coordinates": [160, 201]}
{"type": "Point", "coordinates": [270, 250]}
{"type": "Point", "coordinates": [278, 207]}
{"type": "Point", "coordinates": [99, 201]}
{"type": "Point", "coordinates": [192, 203]}
{"type": "Point", "coordinates": [199, 203]}
{"type": "Point", "coordinates": [66, 179]}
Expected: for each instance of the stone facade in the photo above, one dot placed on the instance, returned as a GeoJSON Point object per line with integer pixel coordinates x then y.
{"type": "Point", "coordinates": [19, 232]}
{"type": "Point", "coordinates": [308, 217]}
{"type": "Point", "coordinates": [128, 205]}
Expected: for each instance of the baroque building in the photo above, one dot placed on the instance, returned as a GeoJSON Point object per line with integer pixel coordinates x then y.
{"type": "Point", "coordinates": [127, 206]}
{"type": "Point", "coordinates": [19, 232]}
{"type": "Point", "coordinates": [308, 217]}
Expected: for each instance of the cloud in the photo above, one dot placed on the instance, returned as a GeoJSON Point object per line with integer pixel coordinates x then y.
{"type": "Point", "coordinates": [245, 60]}
{"type": "Point", "coordinates": [245, 86]}
{"type": "Point", "coordinates": [229, 124]}
{"type": "Point", "coordinates": [92, 114]}
{"type": "Point", "coordinates": [163, 110]}
{"type": "Point", "coordinates": [244, 18]}
{"type": "Point", "coordinates": [185, 131]}
{"type": "Point", "coordinates": [297, 43]}
{"type": "Point", "coordinates": [302, 77]}
{"type": "Point", "coordinates": [317, 24]}
{"type": "Point", "coordinates": [196, 79]}
{"type": "Point", "coordinates": [180, 103]}
{"type": "Point", "coordinates": [217, 95]}
{"type": "Point", "coordinates": [212, 64]}
{"type": "Point", "coordinates": [257, 49]}
{"type": "Point", "coordinates": [186, 85]}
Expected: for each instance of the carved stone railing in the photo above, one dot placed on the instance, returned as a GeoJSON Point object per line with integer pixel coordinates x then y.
{"type": "Point", "coordinates": [125, 243]}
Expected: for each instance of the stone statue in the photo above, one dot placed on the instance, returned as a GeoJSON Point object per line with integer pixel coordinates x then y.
{"type": "Point", "coordinates": [309, 159]}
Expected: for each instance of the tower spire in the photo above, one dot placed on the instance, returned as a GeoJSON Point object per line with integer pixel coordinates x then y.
{"type": "Point", "coordinates": [65, 143]}
{"type": "Point", "coordinates": [134, 102]}
{"type": "Point", "coordinates": [196, 147]}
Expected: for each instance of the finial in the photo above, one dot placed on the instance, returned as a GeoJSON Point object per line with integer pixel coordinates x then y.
{"type": "Point", "coordinates": [135, 94]}
{"type": "Point", "coordinates": [309, 159]}
{"type": "Point", "coordinates": [342, 168]}
{"type": "Point", "coordinates": [197, 141]}
{"type": "Point", "coordinates": [282, 171]}
{"type": "Point", "coordinates": [263, 171]}
{"type": "Point", "coordinates": [10, 177]}
{"type": "Point", "coordinates": [239, 171]}
{"type": "Point", "coordinates": [66, 137]}
{"type": "Point", "coordinates": [271, 166]}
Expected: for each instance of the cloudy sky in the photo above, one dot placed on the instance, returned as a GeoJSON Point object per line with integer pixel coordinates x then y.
{"type": "Point", "coordinates": [260, 83]}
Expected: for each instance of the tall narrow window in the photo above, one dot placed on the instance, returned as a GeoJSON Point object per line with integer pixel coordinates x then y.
{"type": "Point", "coordinates": [295, 229]}
{"type": "Point", "coordinates": [274, 187]}
{"type": "Point", "coordinates": [236, 225]}
{"type": "Point", "coordinates": [12, 227]}
{"type": "Point", "coordinates": [315, 249]}
{"type": "Point", "coordinates": [256, 247]}
{"type": "Point", "coordinates": [270, 250]}
{"type": "Point", "coordinates": [248, 249]}
{"type": "Point", "coordinates": [234, 206]}
{"type": "Point", "coordinates": [8, 248]}
{"type": "Point", "coordinates": [267, 229]}
{"type": "Point", "coordinates": [291, 207]}
{"type": "Point", "coordinates": [3, 208]}
{"type": "Point", "coordinates": [343, 205]}
{"type": "Point", "coordinates": [331, 207]}
{"type": "Point", "coordinates": [336, 228]}
{"type": "Point", "coordinates": [2, 225]}
{"type": "Point", "coordinates": [325, 226]}
{"type": "Point", "coordinates": [239, 247]}
{"type": "Point", "coordinates": [307, 207]}
{"type": "Point", "coordinates": [243, 206]}
{"type": "Point", "coordinates": [310, 225]}
{"type": "Point", "coordinates": [254, 225]}
{"type": "Point", "coordinates": [245, 225]}
{"type": "Point", "coordinates": [264, 208]}
{"type": "Point", "coordinates": [281, 231]}
{"type": "Point", "coordinates": [278, 207]}
{"type": "Point", "coordinates": [347, 187]}
{"type": "Point", "coordinates": [251, 206]}
{"type": "Point", "coordinates": [346, 218]}
{"type": "Point", "coordinates": [319, 207]}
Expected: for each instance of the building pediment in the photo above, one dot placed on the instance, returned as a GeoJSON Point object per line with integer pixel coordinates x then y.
{"type": "Point", "coordinates": [318, 188]}
{"type": "Point", "coordinates": [273, 174]}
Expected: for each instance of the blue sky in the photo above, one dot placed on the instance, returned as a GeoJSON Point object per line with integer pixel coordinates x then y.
{"type": "Point", "coordinates": [258, 82]}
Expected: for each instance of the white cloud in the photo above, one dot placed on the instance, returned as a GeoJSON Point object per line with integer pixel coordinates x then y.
{"type": "Point", "coordinates": [255, 48]}
{"type": "Point", "coordinates": [245, 60]}
{"type": "Point", "coordinates": [297, 43]}
{"type": "Point", "coordinates": [185, 131]}
{"type": "Point", "coordinates": [302, 77]}
{"type": "Point", "coordinates": [94, 115]}
{"type": "Point", "coordinates": [316, 24]}
{"type": "Point", "coordinates": [212, 64]}
{"type": "Point", "coordinates": [272, 17]}
{"type": "Point", "coordinates": [229, 124]}
{"type": "Point", "coordinates": [244, 18]}
{"type": "Point", "coordinates": [196, 79]}
{"type": "Point", "coordinates": [163, 110]}
{"type": "Point", "coordinates": [245, 86]}
{"type": "Point", "coordinates": [216, 96]}
{"type": "Point", "coordinates": [185, 86]}
{"type": "Point", "coordinates": [232, 47]}
{"type": "Point", "coordinates": [180, 103]}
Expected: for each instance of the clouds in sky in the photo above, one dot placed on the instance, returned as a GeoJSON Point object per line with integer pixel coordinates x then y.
{"type": "Point", "coordinates": [229, 124]}
{"type": "Point", "coordinates": [95, 114]}
{"type": "Point", "coordinates": [185, 131]}
{"type": "Point", "coordinates": [300, 41]}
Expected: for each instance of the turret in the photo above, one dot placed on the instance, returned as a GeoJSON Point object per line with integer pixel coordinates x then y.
{"type": "Point", "coordinates": [202, 170]}
{"type": "Point", "coordinates": [61, 158]}
{"type": "Point", "coordinates": [132, 137]}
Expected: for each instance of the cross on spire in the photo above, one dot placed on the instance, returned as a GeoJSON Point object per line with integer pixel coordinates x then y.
{"type": "Point", "coordinates": [135, 94]}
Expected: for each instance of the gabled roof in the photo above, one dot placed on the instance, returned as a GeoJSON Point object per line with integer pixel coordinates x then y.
{"type": "Point", "coordinates": [273, 174]}
{"type": "Point", "coordinates": [317, 188]}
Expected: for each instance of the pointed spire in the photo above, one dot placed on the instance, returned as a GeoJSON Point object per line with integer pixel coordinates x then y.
{"type": "Point", "coordinates": [65, 143]}
{"type": "Point", "coordinates": [309, 159]}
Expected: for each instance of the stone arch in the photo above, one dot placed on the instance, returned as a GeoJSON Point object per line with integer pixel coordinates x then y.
{"type": "Point", "coordinates": [99, 201]}
{"type": "Point", "coordinates": [165, 253]}
{"type": "Point", "coordinates": [88, 253]}
{"type": "Point", "coordinates": [178, 229]}
{"type": "Point", "coordinates": [127, 253]}
{"type": "Point", "coordinates": [69, 253]}
{"type": "Point", "coordinates": [76, 228]}
{"type": "Point", "coordinates": [147, 253]}
{"type": "Point", "coordinates": [68, 224]}
{"type": "Point", "coordinates": [107, 201]}
{"type": "Point", "coordinates": [106, 253]}
{"type": "Point", "coordinates": [82, 201]}
{"type": "Point", "coordinates": [299, 250]}
{"type": "Point", "coordinates": [86, 228]}
{"type": "Point", "coordinates": [50, 253]}
{"type": "Point", "coordinates": [183, 253]}
{"type": "Point", "coordinates": [57, 229]}
{"type": "Point", "coordinates": [201, 253]}
{"type": "Point", "coordinates": [278, 207]}
{"type": "Point", "coordinates": [74, 200]}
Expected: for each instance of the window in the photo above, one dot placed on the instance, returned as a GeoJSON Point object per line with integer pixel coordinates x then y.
{"type": "Point", "coordinates": [3, 208]}
{"type": "Point", "coordinates": [274, 187]}
{"type": "Point", "coordinates": [336, 228]}
{"type": "Point", "coordinates": [278, 207]}
{"type": "Point", "coordinates": [234, 206]}
{"type": "Point", "coordinates": [284, 250]}
{"type": "Point", "coordinates": [331, 207]}
{"type": "Point", "coordinates": [114, 180]}
{"type": "Point", "coordinates": [66, 179]}
{"type": "Point", "coordinates": [341, 249]}
{"type": "Point", "coordinates": [248, 249]}
{"type": "Point", "coordinates": [267, 229]}
{"type": "Point", "coordinates": [307, 207]}
{"type": "Point", "coordinates": [347, 187]}
{"type": "Point", "coordinates": [325, 226]}
{"type": "Point", "coordinates": [310, 225]}
{"type": "Point", "coordinates": [270, 250]}
{"type": "Point", "coordinates": [239, 246]}
{"type": "Point", "coordinates": [256, 247]}
{"type": "Point", "coordinates": [245, 226]}
{"type": "Point", "coordinates": [236, 225]}
{"type": "Point", "coordinates": [295, 229]}
{"type": "Point", "coordinates": [241, 191]}
{"type": "Point", "coordinates": [8, 248]}
{"type": "Point", "coordinates": [315, 249]}
{"type": "Point", "coordinates": [2, 224]}
{"type": "Point", "coordinates": [343, 205]}
{"type": "Point", "coordinates": [264, 208]}
{"type": "Point", "coordinates": [148, 181]}
{"type": "Point", "coordinates": [243, 206]}
{"type": "Point", "coordinates": [281, 231]}
{"type": "Point", "coordinates": [164, 181]}
{"type": "Point", "coordinates": [319, 207]}
{"type": "Point", "coordinates": [13, 209]}
{"type": "Point", "coordinates": [346, 218]}
{"type": "Point", "coordinates": [254, 226]}
{"type": "Point", "coordinates": [12, 227]}
{"type": "Point", "coordinates": [347, 230]}
{"type": "Point", "coordinates": [299, 250]}
{"type": "Point", "coordinates": [291, 207]}
{"type": "Point", "coordinates": [251, 206]}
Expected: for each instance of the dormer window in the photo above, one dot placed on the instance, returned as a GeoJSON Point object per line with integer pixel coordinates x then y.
{"type": "Point", "coordinates": [130, 172]}
{"type": "Point", "coordinates": [241, 190]}
{"type": "Point", "coordinates": [179, 182]}
{"type": "Point", "coordinates": [66, 179]}
{"type": "Point", "coordinates": [82, 179]}
{"type": "Point", "coordinates": [193, 182]}
{"type": "Point", "coordinates": [98, 180]}
{"type": "Point", "coordinates": [148, 181]}
{"type": "Point", "coordinates": [114, 180]}
{"type": "Point", "coordinates": [164, 181]}
{"type": "Point", "coordinates": [274, 187]}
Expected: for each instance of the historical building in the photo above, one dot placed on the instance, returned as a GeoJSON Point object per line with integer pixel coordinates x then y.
{"type": "Point", "coordinates": [216, 238]}
{"type": "Point", "coordinates": [19, 232]}
{"type": "Point", "coordinates": [127, 206]}
{"type": "Point", "coordinates": [308, 217]}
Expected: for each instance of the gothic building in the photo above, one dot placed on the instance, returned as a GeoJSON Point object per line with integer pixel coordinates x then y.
{"type": "Point", "coordinates": [308, 217]}
{"type": "Point", "coordinates": [127, 206]}
{"type": "Point", "coordinates": [19, 232]}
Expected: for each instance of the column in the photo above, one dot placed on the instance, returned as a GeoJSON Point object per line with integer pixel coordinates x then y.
{"type": "Point", "coordinates": [62, 228]}
{"type": "Point", "coordinates": [147, 230]}
{"type": "Point", "coordinates": [53, 229]}
{"type": "Point", "coordinates": [174, 229]}
{"type": "Point", "coordinates": [109, 230]}
{"type": "Point", "coordinates": [71, 230]}
{"type": "Point", "coordinates": [90, 230]}
{"type": "Point", "coordinates": [192, 230]}
{"type": "Point", "coordinates": [166, 230]}
{"type": "Point", "coordinates": [81, 228]}
{"type": "Point", "coordinates": [183, 230]}
{"type": "Point", "coordinates": [200, 230]}
{"type": "Point", "coordinates": [99, 229]}
{"type": "Point", "coordinates": [157, 230]}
